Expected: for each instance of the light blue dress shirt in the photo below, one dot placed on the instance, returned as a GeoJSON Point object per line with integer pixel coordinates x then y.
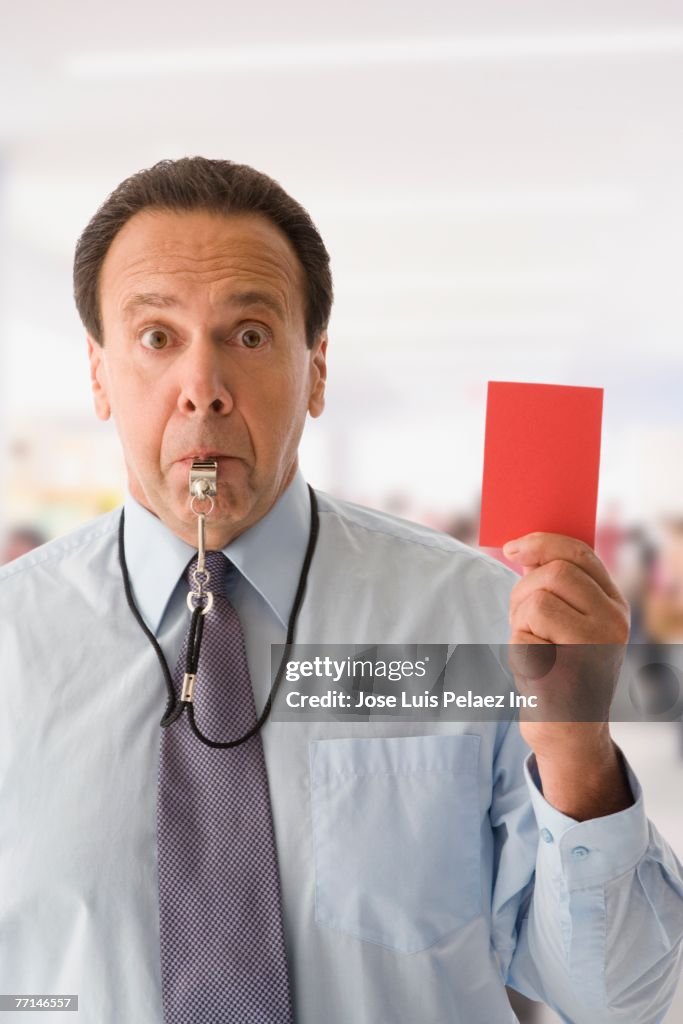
{"type": "Point", "coordinates": [421, 867]}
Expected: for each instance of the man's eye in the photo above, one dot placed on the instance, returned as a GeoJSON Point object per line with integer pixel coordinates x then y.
{"type": "Point", "coordinates": [252, 337]}
{"type": "Point", "coordinates": [155, 338]}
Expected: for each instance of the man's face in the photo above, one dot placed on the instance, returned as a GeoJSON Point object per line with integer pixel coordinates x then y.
{"type": "Point", "coordinates": [205, 353]}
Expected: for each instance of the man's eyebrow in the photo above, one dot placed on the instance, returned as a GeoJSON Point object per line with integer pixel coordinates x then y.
{"type": "Point", "coordinates": [240, 300]}
{"type": "Point", "coordinates": [254, 297]}
{"type": "Point", "coordinates": [148, 299]}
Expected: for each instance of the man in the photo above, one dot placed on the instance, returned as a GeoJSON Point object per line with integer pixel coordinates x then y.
{"type": "Point", "coordinates": [354, 873]}
{"type": "Point", "coordinates": [19, 541]}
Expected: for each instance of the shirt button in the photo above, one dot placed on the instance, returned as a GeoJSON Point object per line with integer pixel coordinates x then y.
{"type": "Point", "coordinates": [546, 835]}
{"type": "Point", "coordinates": [580, 851]}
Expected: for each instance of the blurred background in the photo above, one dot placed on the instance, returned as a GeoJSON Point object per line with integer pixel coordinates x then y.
{"type": "Point", "coordinates": [500, 188]}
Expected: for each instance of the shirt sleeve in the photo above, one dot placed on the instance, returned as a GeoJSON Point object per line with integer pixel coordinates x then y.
{"type": "Point", "coordinates": [599, 928]}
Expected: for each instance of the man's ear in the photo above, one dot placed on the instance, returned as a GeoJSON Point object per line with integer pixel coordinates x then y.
{"type": "Point", "coordinates": [98, 377]}
{"type": "Point", "coordinates": [316, 400]}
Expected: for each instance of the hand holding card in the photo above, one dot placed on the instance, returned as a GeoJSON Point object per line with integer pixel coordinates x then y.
{"type": "Point", "coordinates": [539, 497]}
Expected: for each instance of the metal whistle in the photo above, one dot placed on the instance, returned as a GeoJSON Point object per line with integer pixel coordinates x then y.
{"type": "Point", "coordinates": [203, 486]}
{"type": "Point", "coordinates": [203, 473]}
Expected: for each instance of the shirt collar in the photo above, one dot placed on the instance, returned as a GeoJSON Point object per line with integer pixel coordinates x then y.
{"type": "Point", "coordinates": [269, 554]}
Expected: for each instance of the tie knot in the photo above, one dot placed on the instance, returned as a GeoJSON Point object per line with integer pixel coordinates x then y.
{"type": "Point", "coordinates": [217, 565]}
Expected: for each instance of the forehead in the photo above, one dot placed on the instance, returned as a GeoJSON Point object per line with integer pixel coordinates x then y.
{"type": "Point", "coordinates": [200, 252]}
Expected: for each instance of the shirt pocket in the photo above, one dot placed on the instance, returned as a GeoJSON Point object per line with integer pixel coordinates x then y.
{"type": "Point", "coordinates": [396, 837]}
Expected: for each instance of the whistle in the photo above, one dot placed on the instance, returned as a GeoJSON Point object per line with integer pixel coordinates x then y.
{"type": "Point", "coordinates": [203, 473]}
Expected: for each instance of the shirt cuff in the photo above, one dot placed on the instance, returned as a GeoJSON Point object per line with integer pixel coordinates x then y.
{"type": "Point", "coordinates": [591, 852]}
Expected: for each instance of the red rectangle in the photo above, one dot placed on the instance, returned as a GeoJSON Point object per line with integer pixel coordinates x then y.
{"type": "Point", "coordinates": [541, 461]}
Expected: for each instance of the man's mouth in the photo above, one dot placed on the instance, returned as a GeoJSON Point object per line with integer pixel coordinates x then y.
{"type": "Point", "coordinates": [202, 455]}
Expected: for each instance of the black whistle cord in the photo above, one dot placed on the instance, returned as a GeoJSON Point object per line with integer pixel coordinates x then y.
{"type": "Point", "coordinates": [175, 707]}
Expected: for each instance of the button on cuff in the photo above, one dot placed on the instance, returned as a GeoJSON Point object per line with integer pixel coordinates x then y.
{"type": "Point", "coordinates": [615, 842]}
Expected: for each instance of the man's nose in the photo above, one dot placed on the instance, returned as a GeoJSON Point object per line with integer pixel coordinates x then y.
{"type": "Point", "coordinates": [203, 385]}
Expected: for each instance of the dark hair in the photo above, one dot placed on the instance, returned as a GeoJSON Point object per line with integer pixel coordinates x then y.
{"type": "Point", "coordinates": [219, 186]}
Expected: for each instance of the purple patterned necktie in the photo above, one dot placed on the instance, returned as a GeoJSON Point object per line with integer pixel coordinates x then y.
{"type": "Point", "coordinates": [223, 956]}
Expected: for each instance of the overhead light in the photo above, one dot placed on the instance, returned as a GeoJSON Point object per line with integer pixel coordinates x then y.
{"type": "Point", "coordinates": [417, 282]}
{"type": "Point", "coordinates": [325, 55]}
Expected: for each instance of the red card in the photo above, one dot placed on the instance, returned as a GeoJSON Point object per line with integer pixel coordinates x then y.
{"type": "Point", "coordinates": [541, 461]}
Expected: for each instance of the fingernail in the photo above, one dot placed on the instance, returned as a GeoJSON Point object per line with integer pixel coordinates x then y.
{"type": "Point", "coordinates": [511, 548]}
